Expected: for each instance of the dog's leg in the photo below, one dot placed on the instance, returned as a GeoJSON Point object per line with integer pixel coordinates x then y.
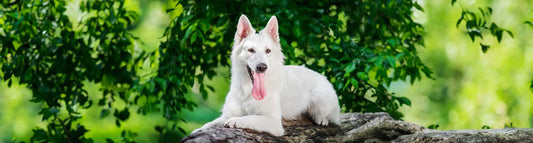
{"type": "Point", "coordinates": [324, 106]}
{"type": "Point", "coordinates": [264, 123]}
{"type": "Point", "coordinates": [267, 117]}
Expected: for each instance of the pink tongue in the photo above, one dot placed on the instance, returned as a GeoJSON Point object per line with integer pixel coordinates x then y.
{"type": "Point", "coordinates": [258, 91]}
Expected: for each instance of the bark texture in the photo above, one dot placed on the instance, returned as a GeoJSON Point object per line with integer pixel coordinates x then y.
{"type": "Point", "coordinates": [361, 127]}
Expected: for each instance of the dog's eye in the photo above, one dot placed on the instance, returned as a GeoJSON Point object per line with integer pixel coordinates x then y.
{"type": "Point", "coordinates": [267, 51]}
{"type": "Point", "coordinates": [251, 50]}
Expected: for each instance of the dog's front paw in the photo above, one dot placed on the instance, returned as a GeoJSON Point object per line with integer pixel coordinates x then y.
{"type": "Point", "coordinates": [240, 122]}
{"type": "Point", "coordinates": [234, 122]}
{"type": "Point", "coordinates": [322, 122]}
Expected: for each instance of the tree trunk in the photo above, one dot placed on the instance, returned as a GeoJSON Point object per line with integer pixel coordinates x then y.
{"type": "Point", "coordinates": [361, 127]}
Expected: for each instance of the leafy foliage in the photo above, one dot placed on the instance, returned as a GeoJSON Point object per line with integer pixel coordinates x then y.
{"type": "Point", "coordinates": [477, 24]}
{"type": "Point", "coordinates": [41, 47]}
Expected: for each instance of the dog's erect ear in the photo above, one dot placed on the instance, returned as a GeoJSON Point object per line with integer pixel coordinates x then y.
{"type": "Point", "coordinates": [272, 28]}
{"type": "Point", "coordinates": [244, 28]}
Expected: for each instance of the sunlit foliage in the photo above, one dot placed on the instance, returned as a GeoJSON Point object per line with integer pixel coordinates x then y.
{"type": "Point", "coordinates": [361, 46]}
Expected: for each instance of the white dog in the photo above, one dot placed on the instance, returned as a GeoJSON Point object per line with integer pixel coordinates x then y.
{"type": "Point", "coordinates": [263, 90]}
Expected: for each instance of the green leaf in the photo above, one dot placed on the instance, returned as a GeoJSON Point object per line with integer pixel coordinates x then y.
{"type": "Point", "coordinates": [484, 48]}
{"type": "Point", "coordinates": [412, 79]}
{"type": "Point", "coordinates": [339, 85]}
{"type": "Point", "coordinates": [204, 26]}
{"type": "Point", "coordinates": [499, 34]}
{"type": "Point", "coordinates": [297, 32]}
{"type": "Point", "coordinates": [392, 42]}
{"type": "Point", "coordinates": [39, 135]}
{"type": "Point", "coordinates": [349, 69]}
{"type": "Point", "coordinates": [185, 19]}
{"type": "Point", "coordinates": [362, 76]}
{"type": "Point", "coordinates": [417, 6]}
{"type": "Point", "coordinates": [529, 23]}
{"type": "Point", "coordinates": [391, 61]}
{"type": "Point", "coordinates": [453, 2]}
{"type": "Point", "coordinates": [354, 82]}
{"type": "Point", "coordinates": [210, 88]}
{"type": "Point", "coordinates": [48, 112]}
{"type": "Point", "coordinates": [182, 130]}
{"type": "Point", "coordinates": [472, 35]}
{"type": "Point", "coordinates": [122, 115]}
{"type": "Point", "coordinates": [433, 126]}
{"type": "Point", "coordinates": [78, 132]}
{"type": "Point", "coordinates": [104, 113]}
{"type": "Point", "coordinates": [485, 127]}
{"type": "Point", "coordinates": [159, 129]}
{"type": "Point", "coordinates": [170, 10]}
{"type": "Point", "coordinates": [510, 33]}
{"type": "Point", "coordinates": [193, 37]}
{"type": "Point", "coordinates": [203, 91]}
{"type": "Point", "coordinates": [403, 100]}
{"type": "Point", "coordinates": [162, 82]}
{"type": "Point", "coordinates": [187, 35]}
{"type": "Point", "coordinates": [102, 101]}
{"type": "Point", "coordinates": [427, 72]}
{"type": "Point", "coordinates": [117, 123]}
{"type": "Point", "coordinates": [482, 11]}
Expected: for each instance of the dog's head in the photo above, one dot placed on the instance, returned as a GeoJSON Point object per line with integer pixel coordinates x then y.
{"type": "Point", "coordinates": [259, 52]}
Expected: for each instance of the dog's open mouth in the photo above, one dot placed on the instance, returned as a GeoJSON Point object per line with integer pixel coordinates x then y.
{"type": "Point", "coordinates": [250, 73]}
{"type": "Point", "coordinates": [258, 89]}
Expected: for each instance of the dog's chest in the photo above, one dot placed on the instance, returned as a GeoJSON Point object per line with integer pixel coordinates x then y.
{"type": "Point", "coordinates": [250, 106]}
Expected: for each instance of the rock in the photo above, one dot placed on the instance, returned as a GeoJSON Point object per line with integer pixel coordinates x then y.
{"type": "Point", "coordinates": [361, 127]}
{"type": "Point", "coordinates": [513, 135]}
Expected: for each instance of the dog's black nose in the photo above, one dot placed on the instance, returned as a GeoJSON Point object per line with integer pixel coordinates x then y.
{"type": "Point", "coordinates": [262, 67]}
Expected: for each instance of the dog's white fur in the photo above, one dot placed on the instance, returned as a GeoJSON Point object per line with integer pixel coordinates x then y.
{"type": "Point", "coordinates": [291, 90]}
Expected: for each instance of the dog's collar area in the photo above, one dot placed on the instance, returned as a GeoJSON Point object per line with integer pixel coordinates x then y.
{"type": "Point", "coordinates": [250, 73]}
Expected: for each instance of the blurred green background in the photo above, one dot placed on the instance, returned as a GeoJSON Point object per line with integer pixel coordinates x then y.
{"type": "Point", "coordinates": [471, 89]}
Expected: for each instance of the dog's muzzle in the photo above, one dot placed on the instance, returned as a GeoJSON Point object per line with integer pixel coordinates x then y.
{"type": "Point", "coordinates": [261, 68]}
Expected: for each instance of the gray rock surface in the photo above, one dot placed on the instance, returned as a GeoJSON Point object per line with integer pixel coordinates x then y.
{"type": "Point", "coordinates": [361, 127]}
